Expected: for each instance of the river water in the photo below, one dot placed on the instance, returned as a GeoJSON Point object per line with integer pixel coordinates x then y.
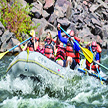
{"type": "Point", "coordinates": [80, 91]}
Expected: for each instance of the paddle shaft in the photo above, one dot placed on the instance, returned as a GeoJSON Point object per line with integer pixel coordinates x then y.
{"type": "Point", "coordinates": [69, 36]}
{"type": "Point", "coordinates": [2, 54]}
{"type": "Point", "coordinates": [100, 65]}
{"type": "Point", "coordinates": [20, 44]}
{"type": "Point", "coordinates": [99, 76]}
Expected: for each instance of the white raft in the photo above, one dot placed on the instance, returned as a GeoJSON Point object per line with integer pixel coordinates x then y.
{"type": "Point", "coordinates": [35, 64]}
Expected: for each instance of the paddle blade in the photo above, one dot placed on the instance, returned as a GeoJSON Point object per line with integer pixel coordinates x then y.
{"type": "Point", "coordinates": [88, 54]}
{"type": "Point", "coordinates": [101, 82]}
{"type": "Point", "coordinates": [2, 54]}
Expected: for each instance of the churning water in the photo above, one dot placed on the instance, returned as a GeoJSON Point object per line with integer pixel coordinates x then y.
{"type": "Point", "coordinates": [78, 91]}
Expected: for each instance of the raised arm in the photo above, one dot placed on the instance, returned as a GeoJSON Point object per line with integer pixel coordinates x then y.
{"type": "Point", "coordinates": [62, 39]}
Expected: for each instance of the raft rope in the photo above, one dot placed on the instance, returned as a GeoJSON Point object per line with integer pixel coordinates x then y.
{"type": "Point", "coordinates": [31, 61]}
{"type": "Point", "coordinates": [27, 54]}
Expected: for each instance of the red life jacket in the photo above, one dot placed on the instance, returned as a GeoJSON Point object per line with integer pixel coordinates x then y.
{"type": "Point", "coordinates": [40, 50]}
{"type": "Point", "coordinates": [49, 50]}
{"type": "Point", "coordinates": [69, 50]}
{"type": "Point", "coordinates": [99, 50]}
{"type": "Point", "coordinates": [76, 38]}
{"type": "Point", "coordinates": [61, 53]}
{"type": "Point", "coordinates": [93, 67]}
{"type": "Point", "coordinates": [77, 57]}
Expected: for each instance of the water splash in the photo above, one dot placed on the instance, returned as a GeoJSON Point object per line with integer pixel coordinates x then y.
{"type": "Point", "coordinates": [43, 102]}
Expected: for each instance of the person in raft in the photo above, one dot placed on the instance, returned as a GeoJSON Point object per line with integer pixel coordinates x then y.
{"type": "Point", "coordinates": [96, 50]}
{"type": "Point", "coordinates": [60, 53]}
{"type": "Point", "coordinates": [41, 47]}
{"type": "Point", "coordinates": [73, 58]}
{"type": "Point", "coordinates": [49, 46]}
{"type": "Point", "coordinates": [32, 44]}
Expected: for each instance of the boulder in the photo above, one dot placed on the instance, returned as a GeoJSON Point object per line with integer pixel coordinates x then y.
{"type": "Point", "coordinates": [2, 29]}
{"type": "Point", "coordinates": [8, 41]}
{"type": "Point", "coordinates": [64, 22]}
{"type": "Point", "coordinates": [37, 9]}
{"type": "Point", "coordinates": [45, 26]}
{"type": "Point", "coordinates": [48, 4]}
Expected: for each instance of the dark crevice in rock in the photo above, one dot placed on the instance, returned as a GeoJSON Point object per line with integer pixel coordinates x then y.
{"type": "Point", "coordinates": [50, 10]}
{"type": "Point", "coordinates": [29, 1]}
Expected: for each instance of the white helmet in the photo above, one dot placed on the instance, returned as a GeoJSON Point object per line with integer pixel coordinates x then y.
{"type": "Point", "coordinates": [68, 31]}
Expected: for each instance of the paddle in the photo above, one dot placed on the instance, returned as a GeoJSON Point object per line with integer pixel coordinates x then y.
{"type": "Point", "coordinates": [96, 62]}
{"type": "Point", "coordinates": [100, 65]}
{"type": "Point", "coordinates": [2, 54]}
{"type": "Point", "coordinates": [99, 76]}
{"type": "Point", "coordinates": [88, 55]}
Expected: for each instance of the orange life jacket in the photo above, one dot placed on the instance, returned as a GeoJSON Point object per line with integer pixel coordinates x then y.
{"type": "Point", "coordinates": [49, 50]}
{"type": "Point", "coordinates": [61, 53]}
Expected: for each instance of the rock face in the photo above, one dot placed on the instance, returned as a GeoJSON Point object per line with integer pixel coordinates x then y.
{"type": "Point", "coordinates": [88, 18]}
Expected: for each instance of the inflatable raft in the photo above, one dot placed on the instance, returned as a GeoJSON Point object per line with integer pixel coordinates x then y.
{"type": "Point", "coordinates": [35, 64]}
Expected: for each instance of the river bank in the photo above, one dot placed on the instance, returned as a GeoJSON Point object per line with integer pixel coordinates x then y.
{"type": "Point", "coordinates": [88, 18]}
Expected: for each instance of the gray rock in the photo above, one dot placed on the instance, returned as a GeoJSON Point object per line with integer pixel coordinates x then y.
{"type": "Point", "coordinates": [94, 7]}
{"type": "Point", "coordinates": [2, 29]}
{"type": "Point", "coordinates": [96, 22]}
{"type": "Point", "coordinates": [45, 14]}
{"type": "Point", "coordinates": [64, 22]}
{"type": "Point", "coordinates": [44, 26]}
{"type": "Point", "coordinates": [42, 1]}
{"type": "Point", "coordinates": [8, 41]}
{"type": "Point", "coordinates": [6, 36]}
{"type": "Point", "coordinates": [37, 9]}
{"type": "Point", "coordinates": [84, 32]}
{"type": "Point", "coordinates": [53, 18]}
{"type": "Point", "coordinates": [48, 4]}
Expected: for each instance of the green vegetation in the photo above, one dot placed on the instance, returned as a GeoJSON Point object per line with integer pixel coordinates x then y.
{"type": "Point", "coordinates": [16, 18]}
